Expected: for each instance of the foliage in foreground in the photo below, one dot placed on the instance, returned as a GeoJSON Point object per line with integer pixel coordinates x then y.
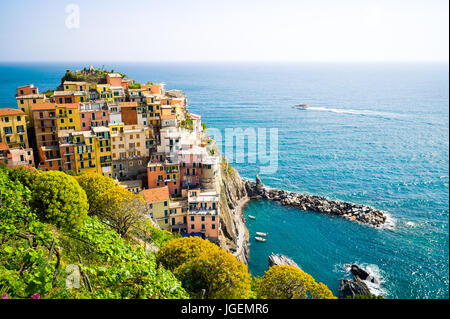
{"type": "Point", "coordinates": [50, 247]}
{"type": "Point", "coordinates": [290, 282]}
{"type": "Point", "coordinates": [205, 270]}
{"type": "Point", "coordinates": [38, 255]}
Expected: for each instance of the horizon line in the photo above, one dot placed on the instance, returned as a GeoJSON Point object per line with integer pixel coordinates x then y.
{"type": "Point", "coordinates": [223, 61]}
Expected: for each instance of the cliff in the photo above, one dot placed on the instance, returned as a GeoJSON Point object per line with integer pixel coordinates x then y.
{"type": "Point", "coordinates": [233, 235]}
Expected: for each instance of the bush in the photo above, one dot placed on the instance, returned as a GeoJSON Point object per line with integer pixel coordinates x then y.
{"type": "Point", "coordinates": [205, 270]}
{"type": "Point", "coordinates": [290, 282]}
{"type": "Point", "coordinates": [95, 186]}
{"type": "Point", "coordinates": [57, 198]}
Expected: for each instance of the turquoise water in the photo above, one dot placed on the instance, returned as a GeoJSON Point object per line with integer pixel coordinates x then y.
{"type": "Point", "coordinates": [376, 134]}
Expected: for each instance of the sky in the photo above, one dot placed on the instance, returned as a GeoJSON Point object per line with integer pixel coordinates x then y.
{"type": "Point", "coordinates": [232, 30]}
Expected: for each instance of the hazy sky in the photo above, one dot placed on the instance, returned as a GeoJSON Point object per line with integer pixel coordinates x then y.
{"type": "Point", "coordinates": [226, 30]}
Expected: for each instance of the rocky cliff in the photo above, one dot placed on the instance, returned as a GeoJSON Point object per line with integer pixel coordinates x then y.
{"type": "Point", "coordinates": [233, 235]}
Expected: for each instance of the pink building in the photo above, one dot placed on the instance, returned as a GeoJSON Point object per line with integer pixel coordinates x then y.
{"type": "Point", "coordinates": [16, 157]}
{"type": "Point", "coordinates": [203, 213]}
{"type": "Point", "coordinates": [93, 115]}
{"type": "Point", "coordinates": [190, 160]}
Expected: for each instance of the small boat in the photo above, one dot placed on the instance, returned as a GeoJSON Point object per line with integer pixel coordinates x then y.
{"type": "Point", "coordinates": [251, 217]}
{"type": "Point", "coordinates": [260, 239]}
{"type": "Point", "coordinates": [261, 234]}
{"type": "Point", "coordinates": [302, 106]}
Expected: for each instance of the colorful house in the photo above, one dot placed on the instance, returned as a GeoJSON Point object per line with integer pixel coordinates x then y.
{"type": "Point", "coordinates": [87, 154]}
{"type": "Point", "coordinates": [13, 128]}
{"type": "Point", "coordinates": [203, 215]}
{"type": "Point", "coordinates": [157, 201]}
{"type": "Point", "coordinates": [68, 116]}
{"type": "Point", "coordinates": [26, 102]}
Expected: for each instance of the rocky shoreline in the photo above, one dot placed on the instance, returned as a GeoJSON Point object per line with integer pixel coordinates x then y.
{"type": "Point", "coordinates": [354, 212]}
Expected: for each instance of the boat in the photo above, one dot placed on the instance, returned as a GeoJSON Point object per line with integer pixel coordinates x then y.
{"type": "Point", "coordinates": [302, 106]}
{"type": "Point", "coordinates": [261, 234]}
{"type": "Point", "coordinates": [251, 217]}
{"type": "Point", "coordinates": [260, 239]}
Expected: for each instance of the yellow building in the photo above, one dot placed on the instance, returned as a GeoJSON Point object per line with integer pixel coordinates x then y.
{"type": "Point", "coordinates": [68, 116]}
{"type": "Point", "coordinates": [13, 128]}
{"type": "Point", "coordinates": [104, 146]}
{"type": "Point", "coordinates": [87, 153]}
{"type": "Point", "coordinates": [105, 92]}
{"type": "Point", "coordinates": [74, 86]}
{"type": "Point", "coordinates": [25, 102]}
{"type": "Point", "coordinates": [157, 200]}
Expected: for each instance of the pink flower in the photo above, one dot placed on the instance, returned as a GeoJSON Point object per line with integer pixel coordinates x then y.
{"type": "Point", "coordinates": [35, 296]}
{"type": "Point", "coordinates": [5, 296]}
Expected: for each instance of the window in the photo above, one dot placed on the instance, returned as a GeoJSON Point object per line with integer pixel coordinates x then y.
{"type": "Point", "coordinates": [21, 101]}
{"type": "Point", "coordinates": [165, 203]}
{"type": "Point", "coordinates": [213, 226]}
{"type": "Point", "coordinates": [18, 118]}
{"type": "Point", "coordinates": [192, 218]}
{"type": "Point", "coordinates": [203, 226]}
{"type": "Point", "coordinates": [173, 221]}
{"type": "Point", "coordinates": [7, 119]}
{"type": "Point", "coordinates": [203, 218]}
{"type": "Point", "coordinates": [192, 226]}
{"type": "Point", "coordinates": [213, 218]}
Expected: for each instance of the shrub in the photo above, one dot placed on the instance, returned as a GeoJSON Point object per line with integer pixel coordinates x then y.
{"type": "Point", "coordinates": [58, 199]}
{"type": "Point", "coordinates": [290, 282]}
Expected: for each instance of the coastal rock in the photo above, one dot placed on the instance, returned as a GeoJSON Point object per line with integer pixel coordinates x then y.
{"type": "Point", "coordinates": [362, 214]}
{"type": "Point", "coordinates": [350, 288]}
{"type": "Point", "coordinates": [362, 274]}
{"type": "Point", "coordinates": [278, 260]}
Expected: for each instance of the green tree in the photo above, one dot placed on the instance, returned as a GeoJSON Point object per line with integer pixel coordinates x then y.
{"type": "Point", "coordinates": [57, 198]}
{"type": "Point", "coordinates": [95, 186]}
{"type": "Point", "coordinates": [122, 210]}
{"type": "Point", "coordinates": [290, 282]}
{"type": "Point", "coordinates": [205, 270]}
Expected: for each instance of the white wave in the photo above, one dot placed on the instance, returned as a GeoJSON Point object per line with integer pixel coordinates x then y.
{"type": "Point", "coordinates": [375, 288]}
{"type": "Point", "coordinates": [390, 222]}
{"type": "Point", "coordinates": [355, 112]}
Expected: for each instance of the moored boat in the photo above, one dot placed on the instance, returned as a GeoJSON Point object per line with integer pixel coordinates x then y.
{"type": "Point", "coordinates": [260, 239]}
{"type": "Point", "coordinates": [251, 217]}
{"type": "Point", "coordinates": [261, 234]}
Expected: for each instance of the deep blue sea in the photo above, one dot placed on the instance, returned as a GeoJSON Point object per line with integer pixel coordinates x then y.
{"type": "Point", "coordinates": [376, 134]}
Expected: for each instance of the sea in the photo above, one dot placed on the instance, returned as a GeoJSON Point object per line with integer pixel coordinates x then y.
{"type": "Point", "coordinates": [373, 133]}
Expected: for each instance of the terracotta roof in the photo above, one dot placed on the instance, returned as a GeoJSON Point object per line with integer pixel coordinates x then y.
{"type": "Point", "coordinates": [128, 104]}
{"type": "Point", "coordinates": [155, 195]}
{"type": "Point", "coordinates": [9, 111]}
{"type": "Point", "coordinates": [43, 106]}
{"type": "Point", "coordinates": [4, 146]}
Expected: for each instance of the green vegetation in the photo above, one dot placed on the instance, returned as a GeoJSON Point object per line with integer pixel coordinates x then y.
{"type": "Point", "coordinates": [135, 86]}
{"type": "Point", "coordinates": [187, 124]}
{"type": "Point", "coordinates": [205, 270]}
{"type": "Point", "coordinates": [89, 75]}
{"type": "Point", "coordinates": [86, 237]}
{"type": "Point", "coordinates": [290, 282]}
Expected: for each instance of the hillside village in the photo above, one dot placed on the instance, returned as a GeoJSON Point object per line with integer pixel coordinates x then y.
{"type": "Point", "coordinates": [142, 135]}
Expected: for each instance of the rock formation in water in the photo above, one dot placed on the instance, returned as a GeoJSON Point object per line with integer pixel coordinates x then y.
{"type": "Point", "coordinates": [279, 260]}
{"type": "Point", "coordinates": [351, 287]}
{"type": "Point", "coordinates": [355, 212]}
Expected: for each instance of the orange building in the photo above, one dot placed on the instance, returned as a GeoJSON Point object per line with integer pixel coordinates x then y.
{"type": "Point", "coordinates": [161, 174]}
{"type": "Point", "coordinates": [129, 113]}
